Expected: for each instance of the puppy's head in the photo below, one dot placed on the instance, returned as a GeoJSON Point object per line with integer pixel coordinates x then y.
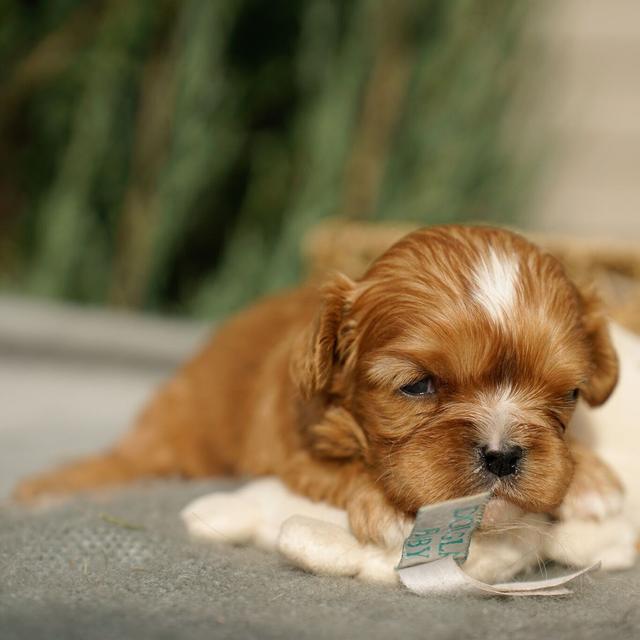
{"type": "Point", "coordinates": [456, 363]}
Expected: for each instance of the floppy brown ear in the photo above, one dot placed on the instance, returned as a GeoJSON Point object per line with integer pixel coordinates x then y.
{"type": "Point", "coordinates": [337, 435]}
{"type": "Point", "coordinates": [604, 373]}
{"type": "Point", "coordinates": [315, 353]}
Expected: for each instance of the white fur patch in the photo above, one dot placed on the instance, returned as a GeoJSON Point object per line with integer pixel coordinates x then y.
{"type": "Point", "coordinates": [495, 279]}
{"type": "Point", "coordinates": [498, 412]}
{"type": "Point", "coordinates": [582, 542]}
{"type": "Point", "coordinates": [253, 514]}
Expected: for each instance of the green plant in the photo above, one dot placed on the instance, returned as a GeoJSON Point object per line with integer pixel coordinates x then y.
{"type": "Point", "coordinates": [170, 155]}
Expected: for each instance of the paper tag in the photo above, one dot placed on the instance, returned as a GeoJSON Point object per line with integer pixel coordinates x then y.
{"type": "Point", "coordinates": [443, 530]}
{"type": "Point", "coordinates": [439, 543]}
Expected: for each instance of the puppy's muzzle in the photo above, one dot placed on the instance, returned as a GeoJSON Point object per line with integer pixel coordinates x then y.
{"type": "Point", "coordinates": [502, 462]}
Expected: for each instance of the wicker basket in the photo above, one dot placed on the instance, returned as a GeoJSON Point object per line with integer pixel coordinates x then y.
{"type": "Point", "coordinates": [613, 266]}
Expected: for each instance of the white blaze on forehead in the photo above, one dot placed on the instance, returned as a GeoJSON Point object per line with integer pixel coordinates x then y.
{"type": "Point", "coordinates": [495, 279]}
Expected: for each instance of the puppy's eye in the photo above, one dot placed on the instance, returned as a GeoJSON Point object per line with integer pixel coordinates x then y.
{"type": "Point", "coordinates": [424, 387]}
{"type": "Point", "coordinates": [574, 394]}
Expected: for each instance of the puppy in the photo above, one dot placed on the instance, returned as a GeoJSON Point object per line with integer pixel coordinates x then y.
{"type": "Point", "coordinates": [452, 366]}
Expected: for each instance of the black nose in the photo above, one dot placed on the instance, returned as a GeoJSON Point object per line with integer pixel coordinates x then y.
{"type": "Point", "coordinates": [501, 462]}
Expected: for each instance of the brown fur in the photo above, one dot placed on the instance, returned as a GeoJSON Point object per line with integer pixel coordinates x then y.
{"type": "Point", "coordinates": [305, 385]}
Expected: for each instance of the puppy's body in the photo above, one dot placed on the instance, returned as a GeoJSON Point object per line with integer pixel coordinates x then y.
{"type": "Point", "coordinates": [452, 366]}
{"type": "Point", "coordinates": [232, 410]}
{"type": "Point", "coordinates": [227, 411]}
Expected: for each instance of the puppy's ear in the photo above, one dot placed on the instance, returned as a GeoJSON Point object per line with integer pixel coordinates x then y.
{"type": "Point", "coordinates": [337, 436]}
{"type": "Point", "coordinates": [317, 350]}
{"type": "Point", "coordinates": [604, 372]}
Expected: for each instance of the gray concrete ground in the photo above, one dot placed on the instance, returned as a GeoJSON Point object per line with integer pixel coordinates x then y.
{"type": "Point", "coordinates": [122, 568]}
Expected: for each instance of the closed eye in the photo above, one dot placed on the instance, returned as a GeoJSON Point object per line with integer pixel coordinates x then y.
{"type": "Point", "coordinates": [424, 387]}
{"type": "Point", "coordinates": [569, 398]}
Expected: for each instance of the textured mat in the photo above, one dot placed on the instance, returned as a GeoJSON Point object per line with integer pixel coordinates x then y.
{"type": "Point", "coordinates": [120, 566]}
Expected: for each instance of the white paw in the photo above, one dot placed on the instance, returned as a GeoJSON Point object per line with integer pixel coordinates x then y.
{"type": "Point", "coordinates": [327, 549]}
{"type": "Point", "coordinates": [492, 562]}
{"type": "Point", "coordinates": [591, 505]}
{"type": "Point", "coordinates": [252, 514]}
{"type": "Point", "coordinates": [379, 565]}
{"type": "Point", "coordinates": [398, 527]}
{"type": "Point", "coordinates": [223, 517]}
{"type": "Point", "coordinates": [513, 547]}
{"type": "Point", "coordinates": [320, 547]}
{"type": "Point", "coordinates": [580, 543]}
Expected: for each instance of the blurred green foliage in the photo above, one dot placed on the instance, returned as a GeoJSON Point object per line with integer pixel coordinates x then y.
{"type": "Point", "coordinates": [171, 154]}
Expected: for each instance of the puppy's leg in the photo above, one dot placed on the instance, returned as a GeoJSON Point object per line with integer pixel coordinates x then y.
{"type": "Point", "coordinates": [373, 519]}
{"type": "Point", "coordinates": [501, 553]}
{"type": "Point", "coordinates": [580, 543]}
{"type": "Point", "coordinates": [101, 470]}
{"type": "Point", "coordinates": [348, 485]}
{"type": "Point", "coordinates": [595, 492]}
{"type": "Point", "coordinates": [167, 439]}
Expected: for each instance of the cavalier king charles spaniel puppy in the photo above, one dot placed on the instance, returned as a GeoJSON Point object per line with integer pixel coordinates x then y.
{"type": "Point", "coordinates": [453, 366]}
